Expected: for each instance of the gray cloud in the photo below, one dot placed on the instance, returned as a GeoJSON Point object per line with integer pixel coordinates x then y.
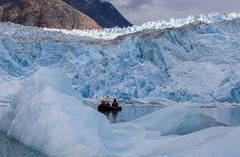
{"type": "Point", "coordinates": [138, 4]}
{"type": "Point", "coordinates": [139, 11]}
{"type": "Point", "coordinates": [179, 4]}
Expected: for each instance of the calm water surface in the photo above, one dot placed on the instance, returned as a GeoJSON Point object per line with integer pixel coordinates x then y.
{"type": "Point", "coordinates": [12, 148]}
{"type": "Point", "coordinates": [130, 112]}
{"type": "Point", "coordinates": [226, 115]}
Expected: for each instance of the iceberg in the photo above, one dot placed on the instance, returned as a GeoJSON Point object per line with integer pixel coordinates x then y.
{"type": "Point", "coordinates": [177, 120]}
{"type": "Point", "coordinates": [45, 115]}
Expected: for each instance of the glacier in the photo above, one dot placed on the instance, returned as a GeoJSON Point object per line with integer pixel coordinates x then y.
{"type": "Point", "coordinates": [198, 62]}
{"type": "Point", "coordinates": [115, 32]}
{"type": "Point", "coordinates": [47, 74]}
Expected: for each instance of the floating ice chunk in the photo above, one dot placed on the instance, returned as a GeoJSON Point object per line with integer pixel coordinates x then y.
{"type": "Point", "coordinates": [177, 120]}
{"type": "Point", "coordinates": [55, 78]}
{"type": "Point", "coordinates": [47, 117]}
{"type": "Point", "coordinates": [193, 122]}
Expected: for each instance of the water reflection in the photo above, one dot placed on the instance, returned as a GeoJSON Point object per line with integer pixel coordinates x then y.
{"type": "Point", "coordinates": [226, 115]}
{"type": "Point", "coordinates": [129, 113]}
{"type": "Point", "coordinates": [12, 148]}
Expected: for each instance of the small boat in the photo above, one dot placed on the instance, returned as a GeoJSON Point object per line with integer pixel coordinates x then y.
{"type": "Point", "coordinates": [109, 108]}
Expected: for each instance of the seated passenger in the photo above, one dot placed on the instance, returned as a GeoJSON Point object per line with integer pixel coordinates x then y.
{"type": "Point", "coordinates": [103, 103]}
{"type": "Point", "coordinates": [107, 104]}
{"type": "Point", "coordinates": [115, 103]}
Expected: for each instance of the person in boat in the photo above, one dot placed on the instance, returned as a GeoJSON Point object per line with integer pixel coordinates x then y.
{"type": "Point", "coordinates": [107, 104]}
{"type": "Point", "coordinates": [103, 103]}
{"type": "Point", "coordinates": [115, 103]}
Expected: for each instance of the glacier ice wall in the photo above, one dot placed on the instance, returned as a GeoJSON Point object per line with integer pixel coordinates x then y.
{"type": "Point", "coordinates": [198, 62]}
{"type": "Point", "coordinates": [115, 32]}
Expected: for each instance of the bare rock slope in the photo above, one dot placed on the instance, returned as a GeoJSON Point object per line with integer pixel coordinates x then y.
{"type": "Point", "coordinates": [45, 13]}
{"type": "Point", "coordinates": [104, 13]}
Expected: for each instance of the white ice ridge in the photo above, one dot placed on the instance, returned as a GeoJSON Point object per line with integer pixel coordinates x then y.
{"type": "Point", "coordinates": [17, 30]}
{"type": "Point", "coordinates": [161, 24]}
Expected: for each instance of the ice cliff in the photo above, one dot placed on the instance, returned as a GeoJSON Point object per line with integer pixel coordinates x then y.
{"type": "Point", "coordinates": [194, 59]}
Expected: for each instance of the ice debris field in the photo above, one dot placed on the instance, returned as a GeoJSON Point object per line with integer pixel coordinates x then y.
{"type": "Point", "coordinates": [46, 76]}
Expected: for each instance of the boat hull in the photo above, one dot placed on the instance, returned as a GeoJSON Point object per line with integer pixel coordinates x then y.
{"type": "Point", "coordinates": [109, 108]}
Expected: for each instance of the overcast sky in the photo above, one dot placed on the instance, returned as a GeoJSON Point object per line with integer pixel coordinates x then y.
{"type": "Point", "coordinates": [139, 11]}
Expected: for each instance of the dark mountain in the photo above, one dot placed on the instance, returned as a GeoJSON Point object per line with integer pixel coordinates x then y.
{"type": "Point", "coordinates": [104, 13]}
{"type": "Point", "coordinates": [45, 13]}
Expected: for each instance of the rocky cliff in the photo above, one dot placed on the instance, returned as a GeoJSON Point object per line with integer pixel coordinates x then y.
{"type": "Point", "coordinates": [45, 13]}
{"type": "Point", "coordinates": [104, 13]}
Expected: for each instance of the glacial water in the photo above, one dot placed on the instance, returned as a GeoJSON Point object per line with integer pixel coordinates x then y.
{"type": "Point", "coordinates": [227, 115]}
{"type": "Point", "coordinates": [11, 148]}
{"type": "Point", "coordinates": [130, 112]}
